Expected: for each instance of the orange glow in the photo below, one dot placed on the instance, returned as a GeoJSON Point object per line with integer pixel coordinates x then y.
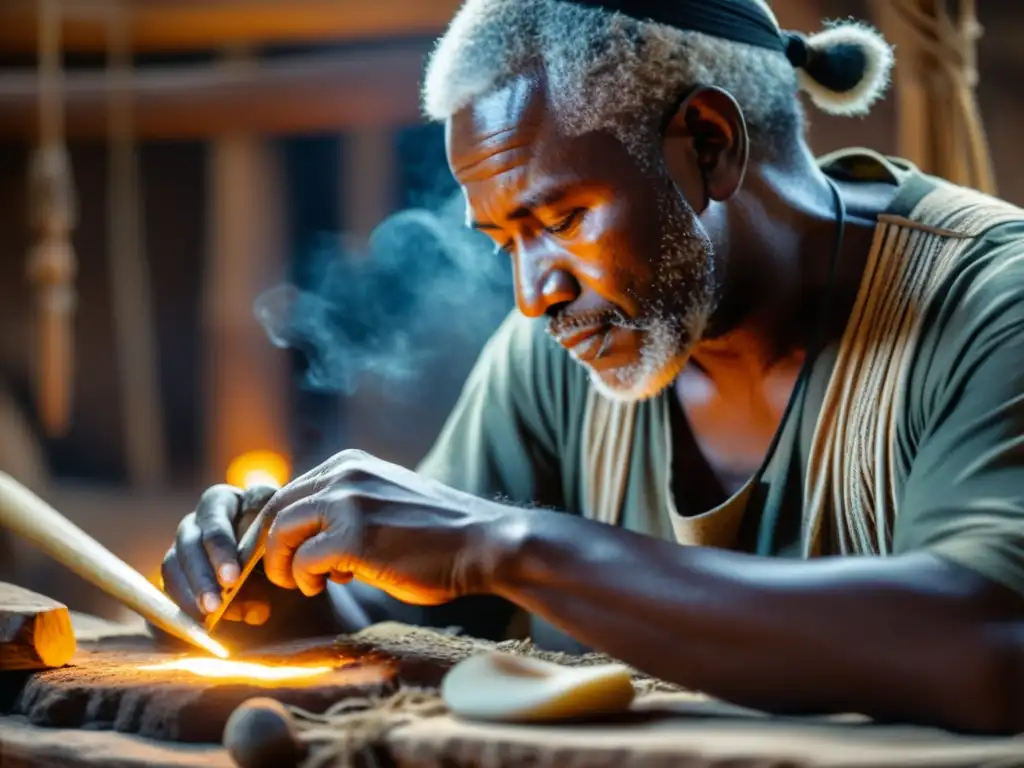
{"type": "Point", "coordinates": [259, 468]}
{"type": "Point", "coordinates": [238, 670]}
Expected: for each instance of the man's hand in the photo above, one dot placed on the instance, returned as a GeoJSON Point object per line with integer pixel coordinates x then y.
{"type": "Point", "coordinates": [204, 557]}
{"type": "Point", "coordinates": [359, 517]}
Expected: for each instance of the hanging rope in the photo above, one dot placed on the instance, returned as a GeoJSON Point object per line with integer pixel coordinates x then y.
{"type": "Point", "coordinates": [51, 264]}
{"type": "Point", "coordinates": [941, 128]}
{"type": "Point", "coordinates": [141, 415]}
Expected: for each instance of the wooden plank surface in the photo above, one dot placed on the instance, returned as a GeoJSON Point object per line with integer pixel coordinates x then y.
{"type": "Point", "coordinates": [25, 746]}
{"type": "Point", "coordinates": [664, 729]}
{"type": "Point", "coordinates": [35, 631]}
{"type": "Point", "coordinates": [674, 730]}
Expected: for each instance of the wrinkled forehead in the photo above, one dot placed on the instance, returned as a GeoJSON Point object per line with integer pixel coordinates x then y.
{"type": "Point", "coordinates": [504, 123]}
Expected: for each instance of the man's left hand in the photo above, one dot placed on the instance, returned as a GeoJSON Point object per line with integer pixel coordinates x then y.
{"type": "Point", "coordinates": [356, 516]}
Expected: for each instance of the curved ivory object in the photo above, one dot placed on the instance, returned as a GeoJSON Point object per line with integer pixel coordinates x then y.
{"type": "Point", "coordinates": [500, 687]}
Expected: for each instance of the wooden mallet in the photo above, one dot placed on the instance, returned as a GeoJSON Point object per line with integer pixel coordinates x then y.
{"type": "Point", "coordinates": [26, 514]}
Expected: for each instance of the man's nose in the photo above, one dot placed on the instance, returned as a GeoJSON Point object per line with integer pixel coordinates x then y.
{"type": "Point", "coordinates": [539, 290]}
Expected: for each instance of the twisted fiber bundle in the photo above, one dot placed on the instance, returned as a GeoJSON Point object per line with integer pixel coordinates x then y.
{"type": "Point", "coordinates": [352, 732]}
{"type": "Point", "coordinates": [850, 489]}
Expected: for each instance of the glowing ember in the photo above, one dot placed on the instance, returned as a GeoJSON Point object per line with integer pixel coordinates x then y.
{"type": "Point", "coordinates": [238, 670]}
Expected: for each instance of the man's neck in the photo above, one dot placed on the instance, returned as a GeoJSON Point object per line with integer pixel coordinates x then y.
{"type": "Point", "coordinates": [776, 240]}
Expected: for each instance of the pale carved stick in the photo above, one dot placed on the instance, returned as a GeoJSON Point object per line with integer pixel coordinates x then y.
{"type": "Point", "coordinates": [32, 518]}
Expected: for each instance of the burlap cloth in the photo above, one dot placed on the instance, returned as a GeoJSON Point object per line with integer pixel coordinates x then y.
{"type": "Point", "coordinates": [667, 727]}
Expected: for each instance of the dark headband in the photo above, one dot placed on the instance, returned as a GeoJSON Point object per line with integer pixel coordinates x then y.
{"type": "Point", "coordinates": [741, 21]}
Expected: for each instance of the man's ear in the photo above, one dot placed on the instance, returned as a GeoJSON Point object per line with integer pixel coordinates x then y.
{"type": "Point", "coordinates": [711, 124]}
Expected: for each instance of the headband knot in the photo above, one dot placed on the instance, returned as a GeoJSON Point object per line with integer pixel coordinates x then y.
{"type": "Point", "coordinates": [797, 50]}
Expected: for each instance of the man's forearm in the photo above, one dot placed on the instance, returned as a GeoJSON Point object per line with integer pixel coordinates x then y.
{"type": "Point", "coordinates": [911, 638]}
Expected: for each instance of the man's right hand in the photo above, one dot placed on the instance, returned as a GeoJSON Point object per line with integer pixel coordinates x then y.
{"type": "Point", "coordinates": [204, 558]}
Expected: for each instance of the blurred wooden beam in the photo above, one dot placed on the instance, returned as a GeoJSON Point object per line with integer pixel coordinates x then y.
{"type": "Point", "coordinates": [246, 376]}
{"type": "Point", "coordinates": [800, 15]}
{"type": "Point", "coordinates": [289, 95]}
{"type": "Point", "coordinates": [368, 180]}
{"type": "Point", "coordinates": [195, 25]}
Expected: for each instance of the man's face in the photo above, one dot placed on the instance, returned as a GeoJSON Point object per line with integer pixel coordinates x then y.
{"type": "Point", "coordinates": [607, 250]}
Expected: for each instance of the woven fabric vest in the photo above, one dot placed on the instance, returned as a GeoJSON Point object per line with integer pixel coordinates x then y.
{"type": "Point", "coordinates": [849, 492]}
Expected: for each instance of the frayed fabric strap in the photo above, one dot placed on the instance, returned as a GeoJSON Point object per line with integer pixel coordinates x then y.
{"type": "Point", "coordinates": [850, 493]}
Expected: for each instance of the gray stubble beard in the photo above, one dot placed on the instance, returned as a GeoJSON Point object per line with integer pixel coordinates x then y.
{"type": "Point", "coordinates": [677, 312]}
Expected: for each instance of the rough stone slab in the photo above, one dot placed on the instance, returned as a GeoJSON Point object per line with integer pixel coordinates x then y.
{"type": "Point", "coordinates": [104, 688]}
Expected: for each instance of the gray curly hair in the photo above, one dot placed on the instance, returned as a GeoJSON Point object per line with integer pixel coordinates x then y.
{"type": "Point", "coordinates": [605, 70]}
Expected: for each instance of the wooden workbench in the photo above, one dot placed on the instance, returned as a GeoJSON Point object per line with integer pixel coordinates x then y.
{"type": "Point", "coordinates": [23, 745]}
{"type": "Point", "coordinates": [668, 729]}
{"type": "Point", "coordinates": [693, 736]}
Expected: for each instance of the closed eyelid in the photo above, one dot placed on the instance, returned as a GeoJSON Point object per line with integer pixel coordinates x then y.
{"type": "Point", "coordinates": [570, 220]}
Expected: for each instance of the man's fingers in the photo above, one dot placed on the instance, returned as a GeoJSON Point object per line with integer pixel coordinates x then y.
{"type": "Point", "coordinates": [221, 548]}
{"type": "Point", "coordinates": [255, 614]}
{"type": "Point", "coordinates": [196, 566]}
{"type": "Point", "coordinates": [256, 498]}
{"type": "Point", "coordinates": [299, 489]}
{"type": "Point", "coordinates": [290, 530]}
{"type": "Point", "coordinates": [253, 601]}
{"type": "Point", "coordinates": [216, 515]}
{"type": "Point", "coordinates": [253, 501]}
{"type": "Point", "coordinates": [314, 561]}
{"type": "Point", "coordinates": [311, 482]}
{"type": "Point", "coordinates": [176, 585]}
{"type": "Point", "coordinates": [234, 612]}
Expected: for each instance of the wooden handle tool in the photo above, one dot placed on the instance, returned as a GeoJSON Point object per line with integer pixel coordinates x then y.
{"type": "Point", "coordinates": [26, 514]}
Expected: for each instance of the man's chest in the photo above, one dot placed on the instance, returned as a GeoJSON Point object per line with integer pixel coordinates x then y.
{"type": "Point", "coordinates": [731, 422]}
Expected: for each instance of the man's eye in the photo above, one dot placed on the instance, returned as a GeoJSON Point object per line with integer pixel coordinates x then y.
{"type": "Point", "coordinates": [568, 224]}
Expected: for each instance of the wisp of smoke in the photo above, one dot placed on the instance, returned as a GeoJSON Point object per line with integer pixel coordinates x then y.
{"type": "Point", "coordinates": [423, 282]}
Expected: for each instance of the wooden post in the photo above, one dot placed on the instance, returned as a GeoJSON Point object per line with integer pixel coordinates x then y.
{"type": "Point", "coordinates": [130, 288]}
{"type": "Point", "coordinates": [914, 139]}
{"type": "Point", "coordinates": [52, 265]}
{"type": "Point", "coordinates": [369, 175]}
{"type": "Point", "coordinates": [246, 377]}
{"type": "Point", "coordinates": [801, 15]}
{"type": "Point", "coordinates": [368, 178]}
{"type": "Point", "coordinates": [940, 128]}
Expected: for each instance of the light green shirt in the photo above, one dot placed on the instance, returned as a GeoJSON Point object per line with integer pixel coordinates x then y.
{"type": "Point", "coordinates": [957, 454]}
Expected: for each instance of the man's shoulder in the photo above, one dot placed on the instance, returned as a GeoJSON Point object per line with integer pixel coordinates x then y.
{"type": "Point", "coordinates": [987, 278]}
{"type": "Point", "coordinates": [970, 243]}
{"type": "Point", "coordinates": [977, 313]}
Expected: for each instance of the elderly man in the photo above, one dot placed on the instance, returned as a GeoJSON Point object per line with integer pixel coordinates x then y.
{"type": "Point", "coordinates": [757, 426]}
